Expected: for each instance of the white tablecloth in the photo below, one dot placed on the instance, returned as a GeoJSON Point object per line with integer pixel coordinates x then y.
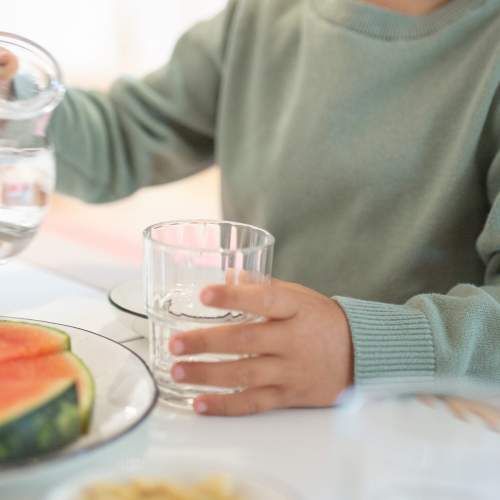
{"type": "Point", "coordinates": [307, 449]}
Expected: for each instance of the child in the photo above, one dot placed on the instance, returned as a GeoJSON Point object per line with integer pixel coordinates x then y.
{"type": "Point", "coordinates": [365, 135]}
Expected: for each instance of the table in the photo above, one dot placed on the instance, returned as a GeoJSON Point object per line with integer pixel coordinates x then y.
{"type": "Point", "coordinates": [295, 446]}
{"type": "Point", "coordinates": [303, 448]}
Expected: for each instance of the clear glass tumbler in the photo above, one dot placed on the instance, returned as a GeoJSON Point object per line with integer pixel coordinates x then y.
{"type": "Point", "coordinates": [182, 258]}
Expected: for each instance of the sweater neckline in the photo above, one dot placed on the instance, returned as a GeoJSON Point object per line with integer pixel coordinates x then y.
{"type": "Point", "coordinates": [379, 22]}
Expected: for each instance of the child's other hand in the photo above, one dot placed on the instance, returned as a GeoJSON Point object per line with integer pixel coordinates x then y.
{"type": "Point", "coordinates": [302, 356]}
{"type": "Point", "coordinates": [466, 409]}
{"type": "Point", "coordinates": [8, 65]}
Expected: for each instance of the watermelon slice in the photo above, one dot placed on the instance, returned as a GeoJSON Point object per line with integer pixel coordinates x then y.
{"type": "Point", "coordinates": [37, 417]}
{"type": "Point", "coordinates": [20, 340]}
{"type": "Point", "coordinates": [55, 367]}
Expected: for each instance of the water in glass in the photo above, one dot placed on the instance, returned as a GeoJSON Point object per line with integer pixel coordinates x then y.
{"type": "Point", "coordinates": [180, 311]}
{"type": "Point", "coordinates": [26, 182]}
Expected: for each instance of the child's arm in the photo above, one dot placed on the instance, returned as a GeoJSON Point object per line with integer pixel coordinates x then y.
{"type": "Point", "coordinates": [148, 131]}
{"type": "Point", "coordinates": [453, 334]}
{"type": "Point", "coordinates": [312, 348]}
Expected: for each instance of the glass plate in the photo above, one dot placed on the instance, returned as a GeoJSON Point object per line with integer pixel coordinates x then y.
{"type": "Point", "coordinates": [125, 395]}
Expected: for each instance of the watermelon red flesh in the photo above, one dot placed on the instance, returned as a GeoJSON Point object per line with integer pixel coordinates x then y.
{"type": "Point", "coordinates": [54, 367]}
{"type": "Point", "coordinates": [17, 395]}
{"type": "Point", "coordinates": [37, 417]}
{"type": "Point", "coordinates": [20, 340]}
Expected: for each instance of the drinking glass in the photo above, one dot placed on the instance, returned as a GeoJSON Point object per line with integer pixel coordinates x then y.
{"type": "Point", "coordinates": [27, 171]}
{"type": "Point", "coordinates": [182, 258]}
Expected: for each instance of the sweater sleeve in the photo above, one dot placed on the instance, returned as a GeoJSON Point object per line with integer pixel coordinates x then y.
{"type": "Point", "coordinates": [144, 132]}
{"type": "Point", "coordinates": [457, 334]}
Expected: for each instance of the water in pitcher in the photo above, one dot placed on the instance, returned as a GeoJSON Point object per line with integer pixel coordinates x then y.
{"type": "Point", "coordinates": [181, 311]}
{"type": "Point", "coordinates": [26, 182]}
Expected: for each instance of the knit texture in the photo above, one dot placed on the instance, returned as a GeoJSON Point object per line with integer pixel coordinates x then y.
{"type": "Point", "coordinates": [366, 141]}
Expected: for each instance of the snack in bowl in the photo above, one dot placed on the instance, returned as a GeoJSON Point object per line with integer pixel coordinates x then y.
{"type": "Point", "coordinates": [212, 488]}
{"type": "Point", "coordinates": [174, 475]}
{"type": "Point", "coordinates": [47, 393]}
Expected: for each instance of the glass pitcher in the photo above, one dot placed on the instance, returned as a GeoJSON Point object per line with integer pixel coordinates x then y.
{"type": "Point", "coordinates": [30, 89]}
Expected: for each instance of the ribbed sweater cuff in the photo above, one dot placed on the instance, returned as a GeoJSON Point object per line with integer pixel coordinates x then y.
{"type": "Point", "coordinates": [392, 343]}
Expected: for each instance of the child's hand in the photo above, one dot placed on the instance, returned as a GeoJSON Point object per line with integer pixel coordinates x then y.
{"type": "Point", "coordinates": [302, 354]}
{"type": "Point", "coordinates": [8, 69]}
{"type": "Point", "coordinates": [466, 408]}
{"type": "Point", "coordinates": [8, 65]}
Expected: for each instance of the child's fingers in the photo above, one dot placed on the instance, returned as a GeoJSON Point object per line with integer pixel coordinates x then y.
{"type": "Point", "coordinates": [489, 414]}
{"type": "Point", "coordinates": [247, 338]}
{"type": "Point", "coordinates": [457, 406]}
{"type": "Point", "coordinates": [8, 65]}
{"type": "Point", "coordinates": [248, 402]}
{"type": "Point", "coordinates": [245, 373]}
{"type": "Point", "coordinates": [270, 301]}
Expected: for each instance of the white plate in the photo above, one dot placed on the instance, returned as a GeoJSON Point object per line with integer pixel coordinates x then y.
{"type": "Point", "coordinates": [125, 395]}
{"type": "Point", "coordinates": [127, 300]}
{"type": "Point", "coordinates": [249, 485]}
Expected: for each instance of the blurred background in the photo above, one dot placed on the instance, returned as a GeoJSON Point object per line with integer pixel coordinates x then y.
{"type": "Point", "coordinates": [96, 41]}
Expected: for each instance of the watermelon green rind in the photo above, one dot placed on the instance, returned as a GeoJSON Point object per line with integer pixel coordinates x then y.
{"type": "Point", "coordinates": [86, 393]}
{"type": "Point", "coordinates": [51, 423]}
{"type": "Point", "coordinates": [63, 338]}
{"type": "Point", "coordinates": [58, 366]}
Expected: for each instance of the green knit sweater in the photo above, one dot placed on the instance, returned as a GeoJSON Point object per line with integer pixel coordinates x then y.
{"type": "Point", "coordinates": [366, 141]}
